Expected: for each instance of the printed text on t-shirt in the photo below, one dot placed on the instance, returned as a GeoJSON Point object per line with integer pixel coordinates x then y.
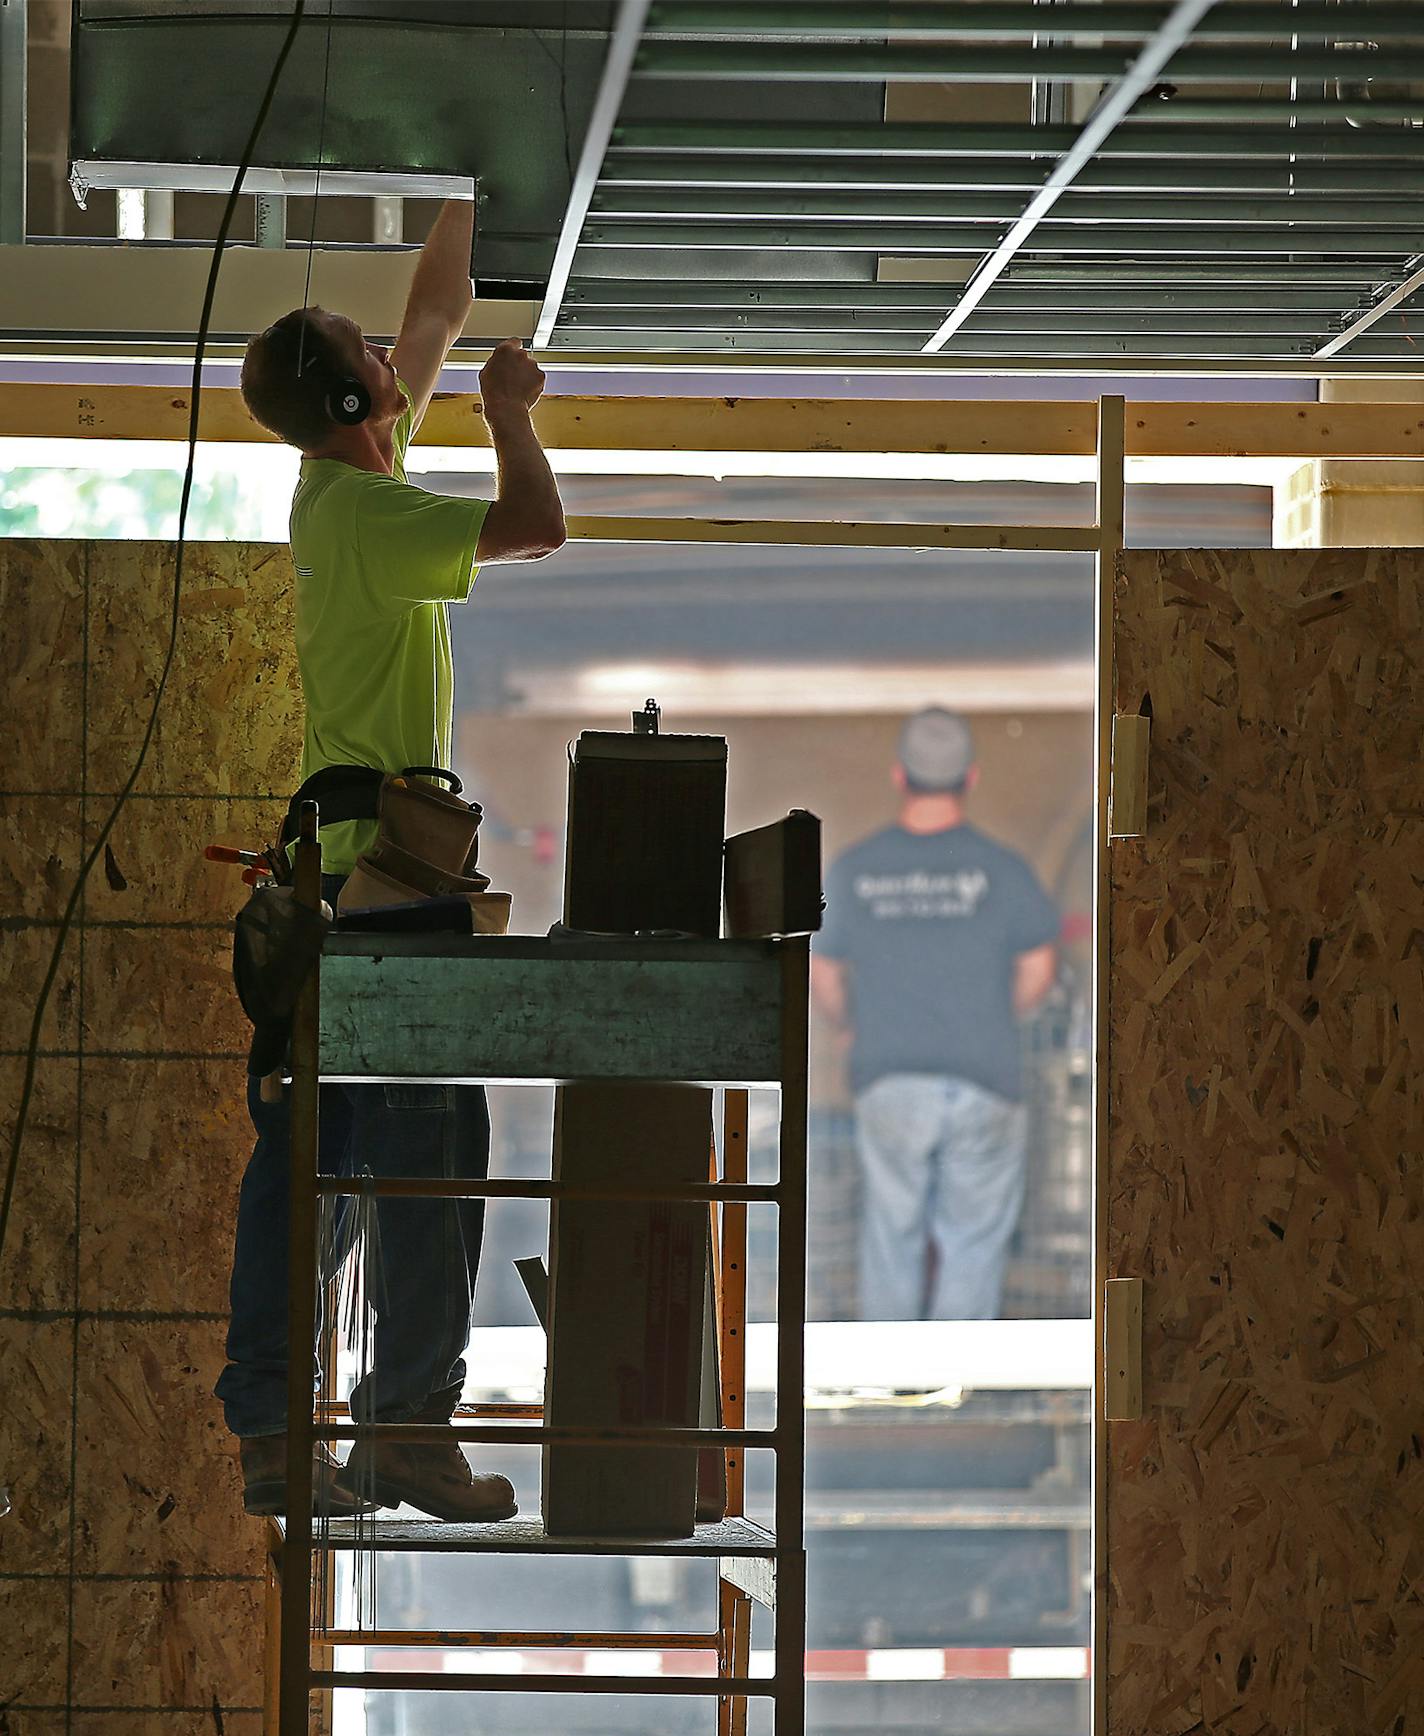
{"type": "Point", "coordinates": [889, 896]}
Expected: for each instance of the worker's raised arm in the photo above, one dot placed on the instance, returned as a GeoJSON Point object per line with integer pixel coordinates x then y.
{"type": "Point", "coordinates": [526, 519]}
{"type": "Point", "coordinates": [439, 302]}
{"type": "Point", "coordinates": [1034, 972]}
{"type": "Point", "coordinates": [828, 989]}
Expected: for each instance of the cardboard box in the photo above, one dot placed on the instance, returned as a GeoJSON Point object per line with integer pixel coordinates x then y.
{"type": "Point", "coordinates": [627, 1291]}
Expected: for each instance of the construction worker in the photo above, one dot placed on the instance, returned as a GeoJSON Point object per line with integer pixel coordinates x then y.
{"type": "Point", "coordinates": [377, 563]}
{"type": "Point", "coordinates": [937, 940]}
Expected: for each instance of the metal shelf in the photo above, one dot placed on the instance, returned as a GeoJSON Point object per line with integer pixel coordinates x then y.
{"type": "Point", "coordinates": [744, 1551]}
{"type": "Point", "coordinates": [528, 1008]}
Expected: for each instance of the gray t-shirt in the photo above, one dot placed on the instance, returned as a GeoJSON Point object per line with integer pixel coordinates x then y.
{"type": "Point", "coordinates": [931, 926]}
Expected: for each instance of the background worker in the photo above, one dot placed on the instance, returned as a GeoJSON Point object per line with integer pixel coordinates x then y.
{"type": "Point", "coordinates": [937, 940]}
{"type": "Point", "coordinates": [377, 564]}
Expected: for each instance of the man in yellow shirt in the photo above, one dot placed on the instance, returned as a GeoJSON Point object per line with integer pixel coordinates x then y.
{"type": "Point", "coordinates": [378, 562]}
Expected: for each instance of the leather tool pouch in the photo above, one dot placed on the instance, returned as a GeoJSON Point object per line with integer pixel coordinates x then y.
{"type": "Point", "coordinates": [427, 845]}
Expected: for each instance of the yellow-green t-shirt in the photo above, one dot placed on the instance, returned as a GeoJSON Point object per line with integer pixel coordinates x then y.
{"type": "Point", "coordinates": [378, 562]}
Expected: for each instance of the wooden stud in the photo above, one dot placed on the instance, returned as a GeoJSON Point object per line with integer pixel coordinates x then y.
{"type": "Point", "coordinates": [296, 1615]}
{"type": "Point", "coordinates": [1122, 1350]}
{"type": "Point", "coordinates": [1111, 498]}
{"type": "Point", "coordinates": [734, 1292]}
{"type": "Point", "coordinates": [790, 1430]}
{"type": "Point", "coordinates": [1127, 794]}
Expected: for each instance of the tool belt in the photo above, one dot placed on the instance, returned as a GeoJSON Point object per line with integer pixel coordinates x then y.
{"type": "Point", "coordinates": [420, 875]}
{"type": "Point", "coordinates": [426, 846]}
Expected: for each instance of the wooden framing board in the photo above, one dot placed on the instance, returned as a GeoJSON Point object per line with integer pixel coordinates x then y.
{"type": "Point", "coordinates": [1111, 505]}
{"type": "Point", "coordinates": [958, 427]}
{"type": "Point", "coordinates": [1265, 1051]}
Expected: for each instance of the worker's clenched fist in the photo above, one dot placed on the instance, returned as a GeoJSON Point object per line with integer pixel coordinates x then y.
{"type": "Point", "coordinates": [510, 377]}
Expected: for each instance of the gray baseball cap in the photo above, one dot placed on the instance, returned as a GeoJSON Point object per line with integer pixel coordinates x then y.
{"type": "Point", "coordinates": [936, 749]}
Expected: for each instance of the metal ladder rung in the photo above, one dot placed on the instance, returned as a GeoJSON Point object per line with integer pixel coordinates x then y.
{"type": "Point", "coordinates": [454, 1638]}
{"type": "Point", "coordinates": [484, 1682]}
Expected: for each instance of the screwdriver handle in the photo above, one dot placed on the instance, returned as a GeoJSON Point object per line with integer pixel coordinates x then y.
{"type": "Point", "coordinates": [226, 853]}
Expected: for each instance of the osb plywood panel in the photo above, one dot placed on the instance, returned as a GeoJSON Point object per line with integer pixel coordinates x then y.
{"type": "Point", "coordinates": [168, 1459]}
{"type": "Point", "coordinates": [32, 1619]}
{"type": "Point", "coordinates": [232, 720]}
{"type": "Point", "coordinates": [155, 870]}
{"type": "Point", "coordinates": [159, 1247]}
{"type": "Point", "coordinates": [174, 1642]}
{"type": "Point", "coordinates": [39, 851]}
{"type": "Point", "coordinates": [37, 1272]}
{"type": "Point", "coordinates": [42, 654]}
{"type": "Point", "coordinates": [37, 1380]}
{"type": "Point", "coordinates": [1265, 1549]}
{"type": "Point", "coordinates": [157, 994]}
{"type": "Point", "coordinates": [164, 1722]}
{"type": "Point", "coordinates": [25, 944]}
{"type": "Point", "coordinates": [130, 1596]}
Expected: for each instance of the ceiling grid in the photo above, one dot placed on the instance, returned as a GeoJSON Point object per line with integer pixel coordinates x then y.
{"type": "Point", "coordinates": [1242, 183]}
{"type": "Point", "coordinates": [1209, 183]}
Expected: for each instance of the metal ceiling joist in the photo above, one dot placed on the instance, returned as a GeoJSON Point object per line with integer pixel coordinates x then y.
{"type": "Point", "coordinates": [1394, 349]}
{"type": "Point", "coordinates": [1140, 138]}
{"type": "Point", "coordinates": [1056, 237]}
{"type": "Point", "coordinates": [1036, 318]}
{"type": "Point", "coordinates": [720, 204]}
{"type": "Point", "coordinates": [13, 111]}
{"type": "Point", "coordinates": [871, 297]}
{"type": "Point", "coordinates": [1114, 104]}
{"type": "Point", "coordinates": [1379, 22]}
{"type": "Point", "coordinates": [963, 175]}
{"type": "Point", "coordinates": [1302, 274]}
{"type": "Point", "coordinates": [1087, 348]}
{"type": "Point", "coordinates": [622, 46]}
{"type": "Point", "coordinates": [933, 63]}
{"type": "Point", "coordinates": [1397, 296]}
{"type": "Point", "coordinates": [1365, 112]}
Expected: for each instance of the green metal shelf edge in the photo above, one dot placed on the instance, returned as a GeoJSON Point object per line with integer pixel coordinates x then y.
{"type": "Point", "coordinates": [528, 1008]}
{"type": "Point", "coordinates": [654, 949]}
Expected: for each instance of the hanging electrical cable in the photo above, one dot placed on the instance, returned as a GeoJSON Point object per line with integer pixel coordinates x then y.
{"type": "Point", "coordinates": [66, 920]}
{"type": "Point", "coordinates": [316, 186]}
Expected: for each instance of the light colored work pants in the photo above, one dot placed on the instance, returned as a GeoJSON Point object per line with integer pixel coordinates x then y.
{"type": "Point", "coordinates": [942, 1161]}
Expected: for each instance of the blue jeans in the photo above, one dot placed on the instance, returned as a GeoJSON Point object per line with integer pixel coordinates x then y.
{"type": "Point", "coordinates": [942, 1161]}
{"type": "Point", "coordinates": [430, 1249]}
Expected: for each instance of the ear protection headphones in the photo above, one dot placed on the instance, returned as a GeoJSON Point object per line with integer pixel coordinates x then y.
{"type": "Point", "coordinates": [347, 401]}
{"type": "Point", "coordinates": [344, 398]}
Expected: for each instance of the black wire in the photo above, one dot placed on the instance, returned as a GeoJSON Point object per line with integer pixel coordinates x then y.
{"type": "Point", "coordinates": [564, 91]}
{"type": "Point", "coordinates": [316, 188]}
{"type": "Point", "coordinates": [67, 920]}
{"type": "Point", "coordinates": [562, 63]}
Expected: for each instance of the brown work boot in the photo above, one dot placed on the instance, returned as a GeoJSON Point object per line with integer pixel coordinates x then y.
{"type": "Point", "coordinates": [264, 1480]}
{"type": "Point", "coordinates": [434, 1477]}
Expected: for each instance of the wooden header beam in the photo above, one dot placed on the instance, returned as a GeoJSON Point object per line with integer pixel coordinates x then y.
{"type": "Point", "coordinates": [809, 425]}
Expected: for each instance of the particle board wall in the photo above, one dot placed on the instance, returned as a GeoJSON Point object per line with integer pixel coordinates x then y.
{"type": "Point", "coordinates": [130, 1581]}
{"type": "Point", "coordinates": [1265, 1558]}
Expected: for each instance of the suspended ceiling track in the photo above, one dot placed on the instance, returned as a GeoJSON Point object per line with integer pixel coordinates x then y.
{"type": "Point", "coordinates": [1249, 153]}
{"type": "Point", "coordinates": [622, 46]}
